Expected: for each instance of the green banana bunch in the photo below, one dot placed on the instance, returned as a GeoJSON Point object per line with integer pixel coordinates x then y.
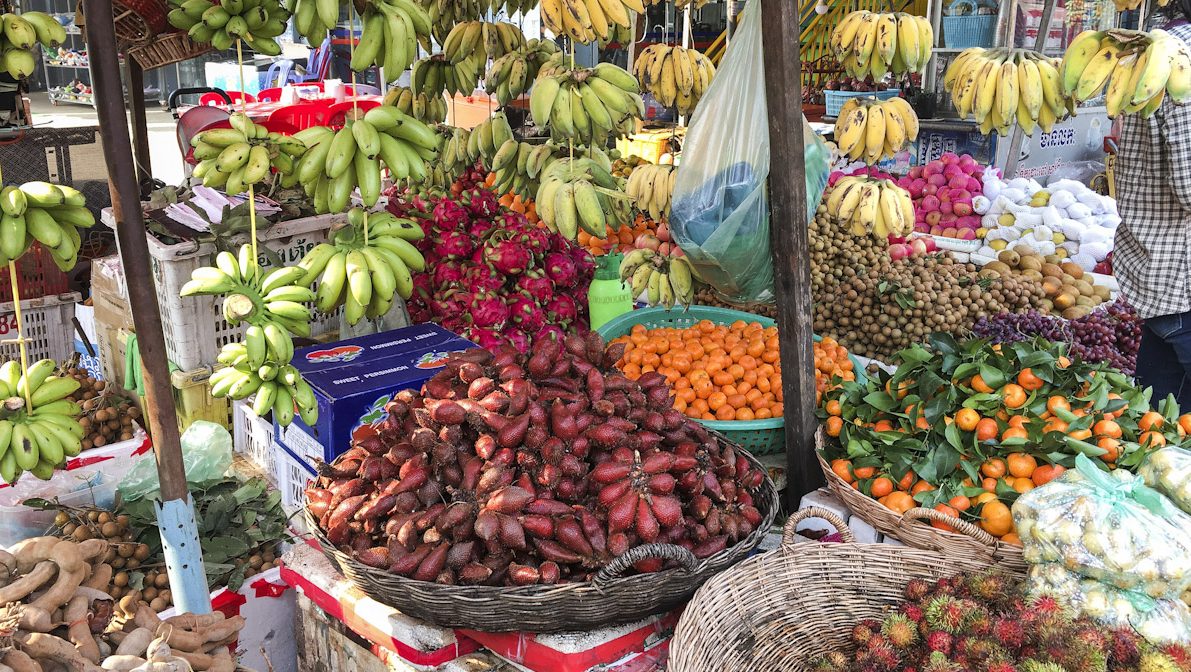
{"type": "Point", "coordinates": [444, 14]}
{"type": "Point", "coordinates": [587, 105]}
{"type": "Point", "coordinates": [19, 33]}
{"type": "Point", "coordinates": [517, 166]}
{"type": "Point", "coordinates": [664, 280]}
{"type": "Point", "coordinates": [454, 158]}
{"type": "Point", "coordinates": [220, 24]}
{"type": "Point", "coordinates": [252, 294]}
{"type": "Point", "coordinates": [365, 273]}
{"type": "Point", "coordinates": [39, 429]}
{"type": "Point", "coordinates": [618, 34]}
{"type": "Point", "coordinates": [511, 7]}
{"type": "Point", "coordinates": [278, 386]}
{"type": "Point", "coordinates": [482, 40]}
{"type": "Point", "coordinates": [650, 187]}
{"type": "Point", "coordinates": [580, 193]}
{"type": "Point", "coordinates": [435, 75]}
{"type": "Point", "coordinates": [244, 155]}
{"type": "Point", "coordinates": [339, 162]}
{"type": "Point", "coordinates": [513, 74]}
{"type": "Point", "coordinates": [487, 137]}
{"type": "Point", "coordinates": [50, 214]}
{"type": "Point", "coordinates": [424, 108]}
{"type": "Point", "coordinates": [390, 36]}
{"type": "Point", "coordinates": [314, 18]}
{"type": "Point", "coordinates": [1140, 70]}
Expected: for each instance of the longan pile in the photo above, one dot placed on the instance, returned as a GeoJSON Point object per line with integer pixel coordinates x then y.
{"type": "Point", "coordinates": [875, 306]}
{"type": "Point", "coordinates": [107, 417]}
{"type": "Point", "coordinates": [706, 296]}
{"type": "Point", "coordinates": [127, 557]}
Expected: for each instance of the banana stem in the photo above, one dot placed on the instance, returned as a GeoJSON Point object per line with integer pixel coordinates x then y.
{"type": "Point", "coordinates": [16, 302]}
{"type": "Point", "coordinates": [251, 188]}
{"type": "Point", "coordinates": [240, 69]}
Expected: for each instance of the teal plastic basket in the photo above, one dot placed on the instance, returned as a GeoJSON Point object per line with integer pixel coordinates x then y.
{"type": "Point", "coordinates": [759, 437]}
{"type": "Point", "coordinates": [962, 31]}
{"type": "Point", "coordinates": [834, 101]}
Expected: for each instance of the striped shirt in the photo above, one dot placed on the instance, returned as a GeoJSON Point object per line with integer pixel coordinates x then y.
{"type": "Point", "coordinates": [1152, 259]}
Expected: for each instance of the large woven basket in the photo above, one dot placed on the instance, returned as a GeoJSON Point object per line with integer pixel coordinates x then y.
{"type": "Point", "coordinates": [913, 528]}
{"type": "Point", "coordinates": [609, 599]}
{"type": "Point", "coordinates": [168, 49]}
{"type": "Point", "coordinates": [776, 611]}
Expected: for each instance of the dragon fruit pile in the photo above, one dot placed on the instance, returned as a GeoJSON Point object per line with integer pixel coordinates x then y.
{"type": "Point", "coordinates": [492, 276]}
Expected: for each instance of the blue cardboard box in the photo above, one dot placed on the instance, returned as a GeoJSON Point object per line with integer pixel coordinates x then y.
{"type": "Point", "coordinates": [355, 378]}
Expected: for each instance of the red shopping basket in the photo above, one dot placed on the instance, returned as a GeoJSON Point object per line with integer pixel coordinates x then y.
{"type": "Point", "coordinates": [37, 274]}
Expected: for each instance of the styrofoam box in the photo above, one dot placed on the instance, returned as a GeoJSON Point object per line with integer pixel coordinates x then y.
{"type": "Point", "coordinates": [252, 437]}
{"type": "Point", "coordinates": [48, 327]}
{"type": "Point", "coordinates": [194, 326]}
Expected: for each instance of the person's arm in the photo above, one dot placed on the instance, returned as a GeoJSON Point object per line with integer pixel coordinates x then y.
{"type": "Point", "coordinates": [1174, 125]}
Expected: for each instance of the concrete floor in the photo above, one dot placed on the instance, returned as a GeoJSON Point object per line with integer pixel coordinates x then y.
{"type": "Point", "coordinates": [164, 155]}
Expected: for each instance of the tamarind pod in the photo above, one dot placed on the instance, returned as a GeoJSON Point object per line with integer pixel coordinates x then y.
{"type": "Point", "coordinates": [29, 582]}
{"type": "Point", "coordinates": [101, 577]}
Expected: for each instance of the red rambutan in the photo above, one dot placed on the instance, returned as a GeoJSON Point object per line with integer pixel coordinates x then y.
{"type": "Point", "coordinates": [1000, 666]}
{"type": "Point", "coordinates": [946, 613]}
{"type": "Point", "coordinates": [1124, 647]}
{"type": "Point", "coordinates": [1009, 633]}
{"type": "Point", "coordinates": [901, 632]}
{"type": "Point", "coordinates": [864, 631]}
{"type": "Point", "coordinates": [939, 641]}
{"type": "Point", "coordinates": [913, 612]}
{"type": "Point", "coordinates": [1180, 654]}
{"type": "Point", "coordinates": [917, 590]}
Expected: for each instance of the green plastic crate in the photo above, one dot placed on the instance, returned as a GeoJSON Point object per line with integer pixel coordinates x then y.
{"type": "Point", "coordinates": [759, 437]}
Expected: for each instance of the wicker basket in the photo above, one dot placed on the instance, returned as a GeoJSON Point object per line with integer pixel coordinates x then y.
{"type": "Point", "coordinates": [912, 528]}
{"type": "Point", "coordinates": [776, 611]}
{"type": "Point", "coordinates": [167, 50]}
{"type": "Point", "coordinates": [608, 600]}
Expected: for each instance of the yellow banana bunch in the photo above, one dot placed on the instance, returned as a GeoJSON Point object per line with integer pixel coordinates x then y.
{"type": "Point", "coordinates": [426, 109]}
{"type": "Point", "coordinates": [483, 40]}
{"type": "Point", "coordinates": [871, 206]}
{"type": "Point", "coordinates": [663, 280]}
{"type": "Point", "coordinates": [50, 214]}
{"type": "Point", "coordinates": [487, 137]}
{"type": "Point", "coordinates": [1140, 69]}
{"type": "Point", "coordinates": [587, 105]}
{"type": "Point", "coordinates": [650, 187]}
{"type": "Point", "coordinates": [434, 75]}
{"type": "Point", "coordinates": [246, 154]}
{"type": "Point", "coordinates": [339, 162]}
{"type": "Point", "coordinates": [588, 20]}
{"type": "Point", "coordinates": [363, 273]}
{"type": "Point", "coordinates": [514, 73]}
{"type": "Point", "coordinates": [220, 24]}
{"type": "Point", "coordinates": [1001, 87]}
{"type": "Point", "coordinates": [581, 193]}
{"type": "Point", "coordinates": [674, 75]}
{"type": "Point", "coordinates": [40, 430]}
{"type": "Point", "coordinates": [873, 44]}
{"type": "Point", "coordinates": [390, 37]}
{"type": "Point", "coordinates": [875, 129]}
{"type": "Point", "coordinates": [19, 33]}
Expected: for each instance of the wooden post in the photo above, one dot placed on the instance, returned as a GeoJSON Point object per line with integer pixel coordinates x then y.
{"type": "Point", "coordinates": [788, 239]}
{"type": "Point", "coordinates": [135, 76]}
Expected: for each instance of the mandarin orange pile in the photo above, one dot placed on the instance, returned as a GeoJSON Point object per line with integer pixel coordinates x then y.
{"type": "Point", "coordinates": [622, 239]}
{"type": "Point", "coordinates": [514, 202]}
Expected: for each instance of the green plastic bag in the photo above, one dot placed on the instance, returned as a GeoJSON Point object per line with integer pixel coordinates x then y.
{"type": "Point", "coordinates": [206, 454]}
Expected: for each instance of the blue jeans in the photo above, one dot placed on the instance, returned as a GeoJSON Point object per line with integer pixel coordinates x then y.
{"type": "Point", "coordinates": [1164, 358]}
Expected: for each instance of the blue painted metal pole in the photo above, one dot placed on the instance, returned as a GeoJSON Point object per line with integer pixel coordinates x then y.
{"type": "Point", "coordinates": [175, 515]}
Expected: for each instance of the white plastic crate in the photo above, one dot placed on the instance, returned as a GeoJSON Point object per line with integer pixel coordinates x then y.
{"type": "Point", "coordinates": [252, 437]}
{"type": "Point", "coordinates": [292, 474]}
{"type": "Point", "coordinates": [194, 326]}
{"type": "Point", "coordinates": [49, 328]}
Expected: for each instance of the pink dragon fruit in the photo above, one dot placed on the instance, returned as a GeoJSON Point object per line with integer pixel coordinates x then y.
{"type": "Point", "coordinates": [536, 285]}
{"type": "Point", "coordinates": [550, 331]}
{"type": "Point", "coordinates": [561, 269]}
{"type": "Point", "coordinates": [447, 272]}
{"type": "Point", "coordinates": [584, 262]}
{"type": "Point", "coordinates": [449, 215]}
{"type": "Point", "coordinates": [454, 244]}
{"type": "Point", "coordinates": [506, 256]}
{"type": "Point", "coordinates": [449, 302]}
{"type": "Point", "coordinates": [423, 286]}
{"type": "Point", "coordinates": [482, 277]}
{"type": "Point", "coordinates": [562, 309]}
{"type": "Point", "coordinates": [482, 203]}
{"type": "Point", "coordinates": [455, 324]}
{"type": "Point", "coordinates": [485, 338]}
{"type": "Point", "coordinates": [525, 312]}
{"type": "Point", "coordinates": [519, 339]}
{"type": "Point", "coordinates": [481, 228]}
{"type": "Point", "coordinates": [487, 310]}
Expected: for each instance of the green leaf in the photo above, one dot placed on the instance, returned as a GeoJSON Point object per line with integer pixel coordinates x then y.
{"type": "Point", "coordinates": [941, 461]}
{"type": "Point", "coordinates": [952, 432]}
{"type": "Point", "coordinates": [1034, 359]}
{"type": "Point", "coordinates": [914, 355]}
{"type": "Point", "coordinates": [880, 401]}
{"type": "Point", "coordinates": [965, 371]}
{"type": "Point", "coordinates": [993, 377]}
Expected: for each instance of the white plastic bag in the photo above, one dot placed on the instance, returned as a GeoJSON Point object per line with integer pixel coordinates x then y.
{"type": "Point", "coordinates": [720, 211]}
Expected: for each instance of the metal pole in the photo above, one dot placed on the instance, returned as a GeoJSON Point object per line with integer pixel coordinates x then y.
{"type": "Point", "coordinates": [789, 243]}
{"type": "Point", "coordinates": [175, 513]}
{"type": "Point", "coordinates": [1013, 157]}
{"type": "Point", "coordinates": [134, 75]}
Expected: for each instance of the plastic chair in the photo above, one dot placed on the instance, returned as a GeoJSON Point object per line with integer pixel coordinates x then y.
{"type": "Point", "coordinates": [302, 115]}
{"type": "Point", "coordinates": [279, 125]}
{"type": "Point", "coordinates": [361, 90]}
{"type": "Point", "coordinates": [214, 98]}
{"type": "Point", "coordinates": [197, 119]}
{"type": "Point", "coordinates": [317, 64]}
{"type": "Point", "coordinates": [338, 112]}
{"type": "Point", "coordinates": [269, 95]}
{"type": "Point", "coordinates": [278, 73]}
{"type": "Point", "coordinates": [188, 151]}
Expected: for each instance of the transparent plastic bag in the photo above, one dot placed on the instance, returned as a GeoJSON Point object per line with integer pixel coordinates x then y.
{"type": "Point", "coordinates": [720, 210]}
{"type": "Point", "coordinates": [1159, 621]}
{"type": "Point", "coordinates": [206, 454]}
{"type": "Point", "coordinates": [1110, 527]}
{"type": "Point", "coordinates": [1168, 470]}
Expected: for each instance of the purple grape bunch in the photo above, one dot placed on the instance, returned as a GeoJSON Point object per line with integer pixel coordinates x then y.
{"type": "Point", "coordinates": [1111, 334]}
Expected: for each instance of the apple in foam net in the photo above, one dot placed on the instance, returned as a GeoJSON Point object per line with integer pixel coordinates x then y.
{"type": "Point", "coordinates": [943, 191]}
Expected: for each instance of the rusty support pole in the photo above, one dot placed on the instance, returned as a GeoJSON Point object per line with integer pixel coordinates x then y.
{"type": "Point", "coordinates": [175, 511]}
{"type": "Point", "coordinates": [788, 239]}
{"type": "Point", "coordinates": [135, 76]}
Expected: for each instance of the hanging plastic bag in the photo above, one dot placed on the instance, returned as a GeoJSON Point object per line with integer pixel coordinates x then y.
{"type": "Point", "coordinates": [206, 455]}
{"type": "Point", "coordinates": [1168, 470]}
{"type": "Point", "coordinates": [1159, 621]}
{"type": "Point", "coordinates": [720, 211]}
{"type": "Point", "coordinates": [1110, 527]}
